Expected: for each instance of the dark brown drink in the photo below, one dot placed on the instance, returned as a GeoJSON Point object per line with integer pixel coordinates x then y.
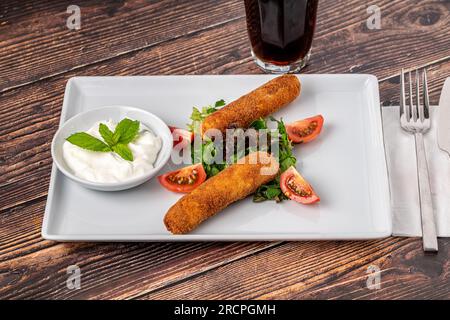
{"type": "Point", "coordinates": [281, 32]}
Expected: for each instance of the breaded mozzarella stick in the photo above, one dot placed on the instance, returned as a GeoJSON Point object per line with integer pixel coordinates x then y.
{"type": "Point", "coordinates": [257, 104]}
{"type": "Point", "coordinates": [230, 185]}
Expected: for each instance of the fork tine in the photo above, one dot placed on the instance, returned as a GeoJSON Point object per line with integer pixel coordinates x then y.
{"type": "Point", "coordinates": [411, 102]}
{"type": "Point", "coordinates": [416, 107]}
{"type": "Point", "coordinates": [402, 93]}
{"type": "Point", "coordinates": [426, 97]}
{"type": "Point", "coordinates": [419, 105]}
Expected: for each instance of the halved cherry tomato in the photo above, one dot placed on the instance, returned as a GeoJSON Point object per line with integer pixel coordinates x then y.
{"type": "Point", "coordinates": [181, 136]}
{"type": "Point", "coordinates": [183, 180]}
{"type": "Point", "coordinates": [295, 187]}
{"type": "Point", "coordinates": [305, 130]}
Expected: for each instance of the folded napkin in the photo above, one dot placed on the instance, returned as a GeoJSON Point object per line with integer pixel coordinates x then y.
{"type": "Point", "coordinates": [402, 169]}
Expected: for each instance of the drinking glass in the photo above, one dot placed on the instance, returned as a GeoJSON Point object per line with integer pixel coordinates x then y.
{"type": "Point", "coordinates": [281, 33]}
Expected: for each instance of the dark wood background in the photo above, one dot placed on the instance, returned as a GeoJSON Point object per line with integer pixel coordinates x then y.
{"type": "Point", "coordinates": [38, 54]}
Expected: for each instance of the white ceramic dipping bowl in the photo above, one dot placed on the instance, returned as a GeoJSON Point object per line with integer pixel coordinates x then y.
{"type": "Point", "coordinates": [85, 120]}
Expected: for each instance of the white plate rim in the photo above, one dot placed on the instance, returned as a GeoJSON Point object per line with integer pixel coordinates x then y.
{"type": "Point", "coordinates": [213, 237]}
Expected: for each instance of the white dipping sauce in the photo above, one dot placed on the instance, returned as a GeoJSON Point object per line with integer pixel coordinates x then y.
{"type": "Point", "coordinates": [109, 166]}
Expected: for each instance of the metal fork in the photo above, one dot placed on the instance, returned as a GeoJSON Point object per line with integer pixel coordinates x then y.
{"type": "Point", "coordinates": [415, 119]}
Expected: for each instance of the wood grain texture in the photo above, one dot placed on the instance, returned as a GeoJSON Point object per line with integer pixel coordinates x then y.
{"type": "Point", "coordinates": [193, 37]}
{"type": "Point", "coordinates": [324, 270]}
{"type": "Point", "coordinates": [414, 33]}
{"type": "Point", "coordinates": [342, 43]}
{"type": "Point", "coordinates": [34, 36]}
{"type": "Point", "coordinates": [114, 270]}
{"type": "Point", "coordinates": [389, 87]}
{"type": "Point", "coordinates": [40, 103]}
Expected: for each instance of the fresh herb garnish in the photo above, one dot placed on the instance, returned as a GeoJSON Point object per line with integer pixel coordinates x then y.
{"type": "Point", "coordinates": [268, 191]}
{"type": "Point", "coordinates": [259, 124]}
{"type": "Point", "coordinates": [207, 153]}
{"type": "Point", "coordinates": [88, 142]}
{"type": "Point", "coordinates": [208, 150]}
{"type": "Point", "coordinates": [107, 134]}
{"type": "Point", "coordinates": [117, 141]}
{"type": "Point", "coordinates": [123, 150]}
{"type": "Point", "coordinates": [126, 130]}
{"type": "Point", "coordinates": [286, 157]}
{"type": "Point", "coordinates": [272, 189]}
{"type": "Point", "coordinates": [198, 116]}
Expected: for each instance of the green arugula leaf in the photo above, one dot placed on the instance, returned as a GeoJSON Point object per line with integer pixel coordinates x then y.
{"type": "Point", "coordinates": [198, 116]}
{"type": "Point", "coordinates": [107, 134]}
{"type": "Point", "coordinates": [259, 124]}
{"type": "Point", "coordinates": [272, 189]}
{"type": "Point", "coordinates": [86, 141]}
{"type": "Point", "coordinates": [219, 103]}
{"type": "Point", "coordinates": [287, 158]}
{"type": "Point", "coordinates": [288, 162]}
{"type": "Point", "coordinates": [126, 131]}
{"type": "Point", "coordinates": [273, 192]}
{"type": "Point", "coordinates": [268, 191]}
{"type": "Point", "coordinates": [123, 150]}
{"type": "Point", "coordinates": [258, 197]}
{"type": "Point", "coordinates": [213, 171]}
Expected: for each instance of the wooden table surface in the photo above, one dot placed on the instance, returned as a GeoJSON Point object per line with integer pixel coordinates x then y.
{"type": "Point", "coordinates": [38, 54]}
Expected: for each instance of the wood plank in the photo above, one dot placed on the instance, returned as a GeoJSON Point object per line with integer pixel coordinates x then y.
{"type": "Point", "coordinates": [20, 230]}
{"type": "Point", "coordinates": [342, 44]}
{"type": "Point", "coordinates": [34, 36]}
{"type": "Point", "coordinates": [437, 73]}
{"type": "Point", "coordinates": [30, 116]}
{"type": "Point", "coordinates": [324, 270]}
{"type": "Point", "coordinates": [114, 270]}
{"type": "Point", "coordinates": [413, 33]}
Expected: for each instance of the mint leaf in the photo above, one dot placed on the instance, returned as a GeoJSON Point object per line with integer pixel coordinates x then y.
{"type": "Point", "coordinates": [88, 142]}
{"type": "Point", "coordinates": [117, 141]}
{"type": "Point", "coordinates": [126, 131]}
{"type": "Point", "coordinates": [107, 134]}
{"type": "Point", "coordinates": [124, 151]}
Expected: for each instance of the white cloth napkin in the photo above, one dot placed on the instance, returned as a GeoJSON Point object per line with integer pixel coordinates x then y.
{"type": "Point", "coordinates": [402, 169]}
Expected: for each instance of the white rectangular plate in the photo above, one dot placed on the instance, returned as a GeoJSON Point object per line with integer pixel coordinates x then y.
{"type": "Point", "coordinates": [345, 165]}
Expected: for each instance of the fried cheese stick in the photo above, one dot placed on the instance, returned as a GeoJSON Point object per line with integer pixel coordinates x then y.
{"type": "Point", "coordinates": [259, 103]}
{"type": "Point", "coordinates": [215, 194]}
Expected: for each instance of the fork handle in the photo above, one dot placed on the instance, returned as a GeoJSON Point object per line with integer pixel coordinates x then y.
{"type": "Point", "coordinates": [429, 236]}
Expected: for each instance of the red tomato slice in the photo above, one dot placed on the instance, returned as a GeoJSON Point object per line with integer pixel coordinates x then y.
{"type": "Point", "coordinates": [183, 180]}
{"type": "Point", "coordinates": [303, 131]}
{"type": "Point", "coordinates": [181, 136]}
{"type": "Point", "coordinates": [295, 187]}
